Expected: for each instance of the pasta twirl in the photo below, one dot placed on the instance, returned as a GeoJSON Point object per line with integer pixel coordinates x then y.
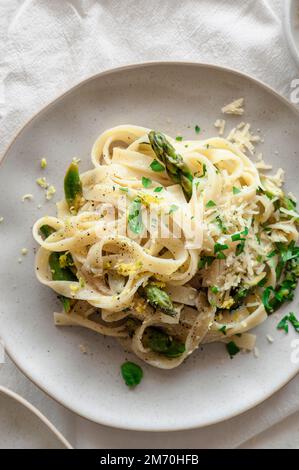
{"type": "Point", "coordinates": [168, 246]}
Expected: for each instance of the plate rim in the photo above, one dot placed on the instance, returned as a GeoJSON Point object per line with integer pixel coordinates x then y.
{"type": "Point", "coordinates": [131, 66]}
{"type": "Point", "coordinates": [287, 26]}
{"type": "Point", "coordinates": [30, 407]}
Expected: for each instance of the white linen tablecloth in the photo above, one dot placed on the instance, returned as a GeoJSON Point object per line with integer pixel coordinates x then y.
{"type": "Point", "coordinates": [46, 46]}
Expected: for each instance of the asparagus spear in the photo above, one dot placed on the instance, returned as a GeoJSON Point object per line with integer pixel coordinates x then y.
{"type": "Point", "coordinates": [73, 187]}
{"type": "Point", "coordinates": [159, 341]}
{"type": "Point", "coordinates": [176, 168]}
{"type": "Point", "coordinates": [158, 298]}
{"type": "Point", "coordinates": [46, 230]}
{"type": "Point", "coordinates": [61, 274]}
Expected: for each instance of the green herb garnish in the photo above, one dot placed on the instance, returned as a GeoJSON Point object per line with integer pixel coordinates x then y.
{"type": "Point", "coordinates": [218, 247]}
{"type": "Point", "coordinates": [205, 261]}
{"type": "Point", "coordinates": [156, 166]}
{"type": "Point", "coordinates": [283, 324]}
{"type": "Point", "coordinates": [197, 129]}
{"type": "Point", "coordinates": [158, 189]}
{"type": "Point", "coordinates": [220, 224]}
{"type": "Point", "coordinates": [290, 318]}
{"type": "Point", "coordinates": [135, 216]}
{"type": "Point", "coordinates": [146, 182]}
{"type": "Point", "coordinates": [236, 190]}
{"type": "Point", "coordinates": [211, 204]}
{"type": "Point", "coordinates": [223, 329]}
{"type": "Point", "coordinates": [232, 348]}
{"type": "Point", "coordinates": [131, 373]}
{"type": "Point", "coordinates": [240, 248]}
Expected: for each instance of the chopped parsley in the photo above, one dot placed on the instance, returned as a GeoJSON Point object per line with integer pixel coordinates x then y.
{"type": "Point", "coordinates": [288, 203]}
{"type": "Point", "coordinates": [197, 129]}
{"type": "Point", "coordinates": [237, 236]}
{"type": "Point", "coordinates": [293, 320]}
{"type": "Point", "coordinates": [146, 182]}
{"type": "Point", "coordinates": [232, 348]}
{"type": "Point", "coordinates": [236, 190]}
{"type": "Point", "coordinates": [125, 190]}
{"type": "Point", "coordinates": [131, 373]}
{"type": "Point", "coordinates": [156, 166]}
{"type": "Point", "coordinates": [287, 265]}
{"type": "Point", "coordinates": [223, 329]}
{"type": "Point", "coordinates": [158, 189]}
{"type": "Point", "coordinates": [214, 289]}
{"type": "Point", "coordinates": [179, 138]}
{"type": "Point", "coordinates": [205, 261]}
{"type": "Point", "coordinates": [218, 247]}
{"type": "Point", "coordinates": [135, 217]}
{"type": "Point", "coordinates": [284, 323]}
{"type": "Point", "coordinates": [240, 248]}
{"type": "Point", "coordinates": [211, 204]}
{"type": "Point", "coordinates": [220, 224]}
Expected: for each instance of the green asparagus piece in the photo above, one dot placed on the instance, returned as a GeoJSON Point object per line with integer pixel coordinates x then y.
{"type": "Point", "coordinates": [66, 302]}
{"type": "Point", "coordinates": [158, 298]}
{"type": "Point", "coordinates": [160, 342]}
{"type": "Point", "coordinates": [176, 168]}
{"type": "Point", "coordinates": [66, 260]}
{"type": "Point", "coordinates": [59, 273]}
{"type": "Point", "coordinates": [73, 187]}
{"type": "Point", "coordinates": [46, 230]}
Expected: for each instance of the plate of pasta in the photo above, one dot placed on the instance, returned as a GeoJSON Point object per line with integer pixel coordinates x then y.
{"type": "Point", "coordinates": [150, 257]}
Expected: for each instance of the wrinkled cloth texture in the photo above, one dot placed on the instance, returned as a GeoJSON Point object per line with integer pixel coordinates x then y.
{"type": "Point", "coordinates": [47, 46]}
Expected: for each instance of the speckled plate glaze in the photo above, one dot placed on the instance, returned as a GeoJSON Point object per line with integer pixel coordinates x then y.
{"type": "Point", "coordinates": [209, 387]}
{"type": "Point", "coordinates": [22, 426]}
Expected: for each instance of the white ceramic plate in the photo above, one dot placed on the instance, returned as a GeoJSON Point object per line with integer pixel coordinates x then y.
{"type": "Point", "coordinates": [209, 387]}
{"type": "Point", "coordinates": [22, 426]}
{"type": "Point", "coordinates": [291, 26]}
